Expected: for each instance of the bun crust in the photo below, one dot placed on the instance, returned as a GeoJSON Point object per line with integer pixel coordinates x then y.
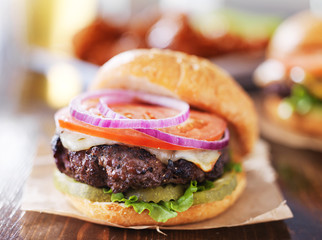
{"type": "Point", "coordinates": [298, 42]}
{"type": "Point", "coordinates": [192, 79]}
{"type": "Point", "coordinates": [309, 124]}
{"type": "Point", "coordinates": [299, 32]}
{"type": "Point", "coordinates": [118, 214]}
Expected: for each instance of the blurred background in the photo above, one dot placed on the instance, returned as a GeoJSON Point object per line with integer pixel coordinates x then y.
{"type": "Point", "coordinates": [50, 50]}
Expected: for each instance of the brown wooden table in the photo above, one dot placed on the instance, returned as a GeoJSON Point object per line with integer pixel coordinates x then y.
{"type": "Point", "coordinates": [300, 178]}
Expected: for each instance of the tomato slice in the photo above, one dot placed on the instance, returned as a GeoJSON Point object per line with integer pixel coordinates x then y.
{"type": "Point", "coordinates": [202, 126]}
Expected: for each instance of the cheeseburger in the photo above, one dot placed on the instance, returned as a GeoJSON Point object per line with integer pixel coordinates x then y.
{"type": "Point", "coordinates": [157, 140]}
{"type": "Point", "coordinates": [292, 75]}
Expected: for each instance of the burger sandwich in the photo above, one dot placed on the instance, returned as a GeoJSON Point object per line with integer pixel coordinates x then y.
{"type": "Point", "coordinates": [292, 75]}
{"type": "Point", "coordinates": [157, 140]}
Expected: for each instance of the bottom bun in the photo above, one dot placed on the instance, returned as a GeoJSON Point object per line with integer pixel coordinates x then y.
{"type": "Point", "coordinates": [119, 214]}
{"type": "Point", "coordinates": [308, 124]}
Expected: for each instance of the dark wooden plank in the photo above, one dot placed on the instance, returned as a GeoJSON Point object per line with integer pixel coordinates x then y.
{"type": "Point", "coordinates": [46, 226]}
{"type": "Point", "coordinates": [17, 151]}
{"type": "Point", "coordinates": [299, 176]}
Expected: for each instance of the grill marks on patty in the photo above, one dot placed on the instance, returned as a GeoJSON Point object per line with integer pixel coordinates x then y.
{"type": "Point", "coordinates": [121, 167]}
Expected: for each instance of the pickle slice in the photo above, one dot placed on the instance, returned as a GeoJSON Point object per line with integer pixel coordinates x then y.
{"type": "Point", "coordinates": [222, 187]}
{"type": "Point", "coordinates": [157, 194]}
{"type": "Point", "coordinates": [68, 185]}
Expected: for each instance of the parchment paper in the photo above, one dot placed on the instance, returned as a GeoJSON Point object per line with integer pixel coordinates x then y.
{"type": "Point", "coordinates": [261, 201]}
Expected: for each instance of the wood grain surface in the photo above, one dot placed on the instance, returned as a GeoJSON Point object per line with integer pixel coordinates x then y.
{"type": "Point", "coordinates": [300, 179]}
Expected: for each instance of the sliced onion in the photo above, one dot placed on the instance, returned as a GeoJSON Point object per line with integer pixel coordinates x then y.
{"type": "Point", "coordinates": [113, 120]}
{"type": "Point", "coordinates": [174, 139]}
{"type": "Point", "coordinates": [188, 142]}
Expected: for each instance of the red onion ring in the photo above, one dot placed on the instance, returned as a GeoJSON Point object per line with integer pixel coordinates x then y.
{"type": "Point", "coordinates": [114, 120]}
{"type": "Point", "coordinates": [170, 138]}
{"type": "Point", "coordinates": [188, 142]}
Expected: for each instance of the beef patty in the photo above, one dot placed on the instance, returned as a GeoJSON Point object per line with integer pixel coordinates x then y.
{"type": "Point", "coordinates": [121, 167]}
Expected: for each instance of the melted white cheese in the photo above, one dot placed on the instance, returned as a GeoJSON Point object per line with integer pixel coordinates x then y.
{"type": "Point", "coordinates": [78, 141]}
{"type": "Point", "coordinates": [204, 159]}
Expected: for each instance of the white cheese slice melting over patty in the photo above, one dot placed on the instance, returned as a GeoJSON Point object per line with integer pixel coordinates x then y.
{"type": "Point", "coordinates": [204, 159]}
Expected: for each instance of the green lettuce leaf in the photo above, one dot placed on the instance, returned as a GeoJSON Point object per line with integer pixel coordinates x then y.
{"type": "Point", "coordinates": [233, 166]}
{"type": "Point", "coordinates": [157, 211]}
{"type": "Point", "coordinates": [106, 190]}
{"type": "Point", "coordinates": [162, 211]}
{"type": "Point", "coordinates": [206, 185]}
{"type": "Point", "coordinates": [301, 100]}
{"type": "Point", "coordinates": [186, 200]}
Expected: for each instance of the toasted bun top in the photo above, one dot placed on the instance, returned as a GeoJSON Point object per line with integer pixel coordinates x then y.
{"type": "Point", "coordinates": [190, 78]}
{"type": "Point", "coordinates": [298, 42]}
{"type": "Point", "coordinates": [302, 31]}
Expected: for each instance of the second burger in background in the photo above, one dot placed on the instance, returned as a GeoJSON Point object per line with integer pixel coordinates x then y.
{"type": "Point", "coordinates": [292, 75]}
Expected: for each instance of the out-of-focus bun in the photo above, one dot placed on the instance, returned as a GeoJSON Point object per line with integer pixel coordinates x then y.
{"type": "Point", "coordinates": [300, 32]}
{"type": "Point", "coordinates": [294, 59]}
{"type": "Point", "coordinates": [298, 42]}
